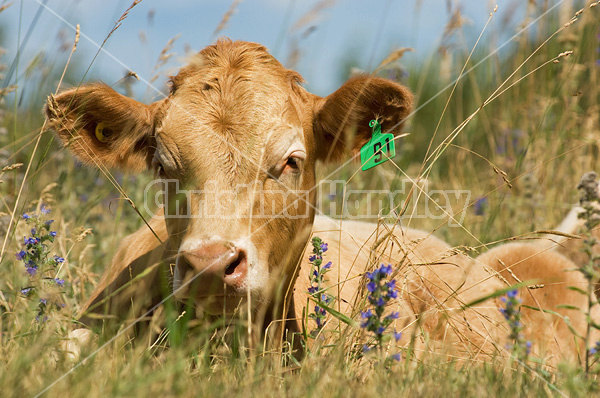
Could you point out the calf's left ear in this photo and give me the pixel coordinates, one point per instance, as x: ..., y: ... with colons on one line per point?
x: 102, y: 127
x: 341, y: 120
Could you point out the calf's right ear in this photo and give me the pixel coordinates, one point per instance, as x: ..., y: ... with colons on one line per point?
x: 351, y: 108
x: 103, y: 127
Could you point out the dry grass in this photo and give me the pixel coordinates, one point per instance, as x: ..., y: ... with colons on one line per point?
x: 519, y: 131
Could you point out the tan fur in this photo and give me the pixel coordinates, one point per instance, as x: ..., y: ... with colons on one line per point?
x: 572, y: 247
x: 234, y: 108
x: 552, y: 274
x: 74, y: 115
x: 434, y: 283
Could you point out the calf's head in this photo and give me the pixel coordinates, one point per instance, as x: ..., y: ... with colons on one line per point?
x: 235, y: 143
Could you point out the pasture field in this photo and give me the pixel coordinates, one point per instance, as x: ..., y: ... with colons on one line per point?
x: 517, y: 132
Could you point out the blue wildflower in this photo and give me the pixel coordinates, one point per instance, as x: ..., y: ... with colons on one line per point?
x: 480, y: 206
x: 371, y: 287
x: 385, y: 270
x: 393, y: 315
x: 397, y: 335
x: 595, y: 350
x: 397, y: 356
x: 35, y: 255
x: 30, y: 240
x: 381, y: 291
x: 512, y: 313
x: 317, y: 280
x: 20, y: 255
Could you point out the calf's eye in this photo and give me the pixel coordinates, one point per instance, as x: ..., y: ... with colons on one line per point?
x: 293, y: 163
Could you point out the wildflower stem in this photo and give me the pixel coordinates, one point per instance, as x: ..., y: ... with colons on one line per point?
x: 588, y: 328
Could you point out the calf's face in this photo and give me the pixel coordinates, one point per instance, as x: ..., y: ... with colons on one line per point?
x: 235, y: 146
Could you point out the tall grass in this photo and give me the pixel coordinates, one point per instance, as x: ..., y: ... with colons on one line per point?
x: 523, y: 153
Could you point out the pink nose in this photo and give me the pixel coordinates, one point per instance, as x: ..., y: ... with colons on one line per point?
x: 215, y: 264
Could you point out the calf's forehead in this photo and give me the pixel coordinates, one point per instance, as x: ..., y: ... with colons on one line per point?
x: 201, y: 143
x: 233, y: 102
x: 225, y: 58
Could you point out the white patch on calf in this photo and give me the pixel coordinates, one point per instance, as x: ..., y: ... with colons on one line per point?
x: 258, y: 272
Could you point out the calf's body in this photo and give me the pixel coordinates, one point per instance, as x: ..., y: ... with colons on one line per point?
x: 237, y: 121
x: 433, y: 281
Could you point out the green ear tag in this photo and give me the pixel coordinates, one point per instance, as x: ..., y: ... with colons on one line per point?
x: 379, y: 148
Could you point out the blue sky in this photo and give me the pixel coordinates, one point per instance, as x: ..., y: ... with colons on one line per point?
x: 370, y: 28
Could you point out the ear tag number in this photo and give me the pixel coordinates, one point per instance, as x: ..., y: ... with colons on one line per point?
x: 379, y: 148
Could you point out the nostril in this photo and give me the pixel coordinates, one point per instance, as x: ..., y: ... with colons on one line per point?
x: 237, y: 266
x: 182, y: 266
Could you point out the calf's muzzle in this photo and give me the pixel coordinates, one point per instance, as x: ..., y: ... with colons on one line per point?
x: 214, y: 266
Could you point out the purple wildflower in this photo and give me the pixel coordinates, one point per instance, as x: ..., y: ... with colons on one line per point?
x: 371, y: 287
x: 512, y: 313
x: 30, y: 240
x: 381, y: 292
x: 20, y: 255
x: 315, y: 289
x: 397, y: 335
x: 480, y: 206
